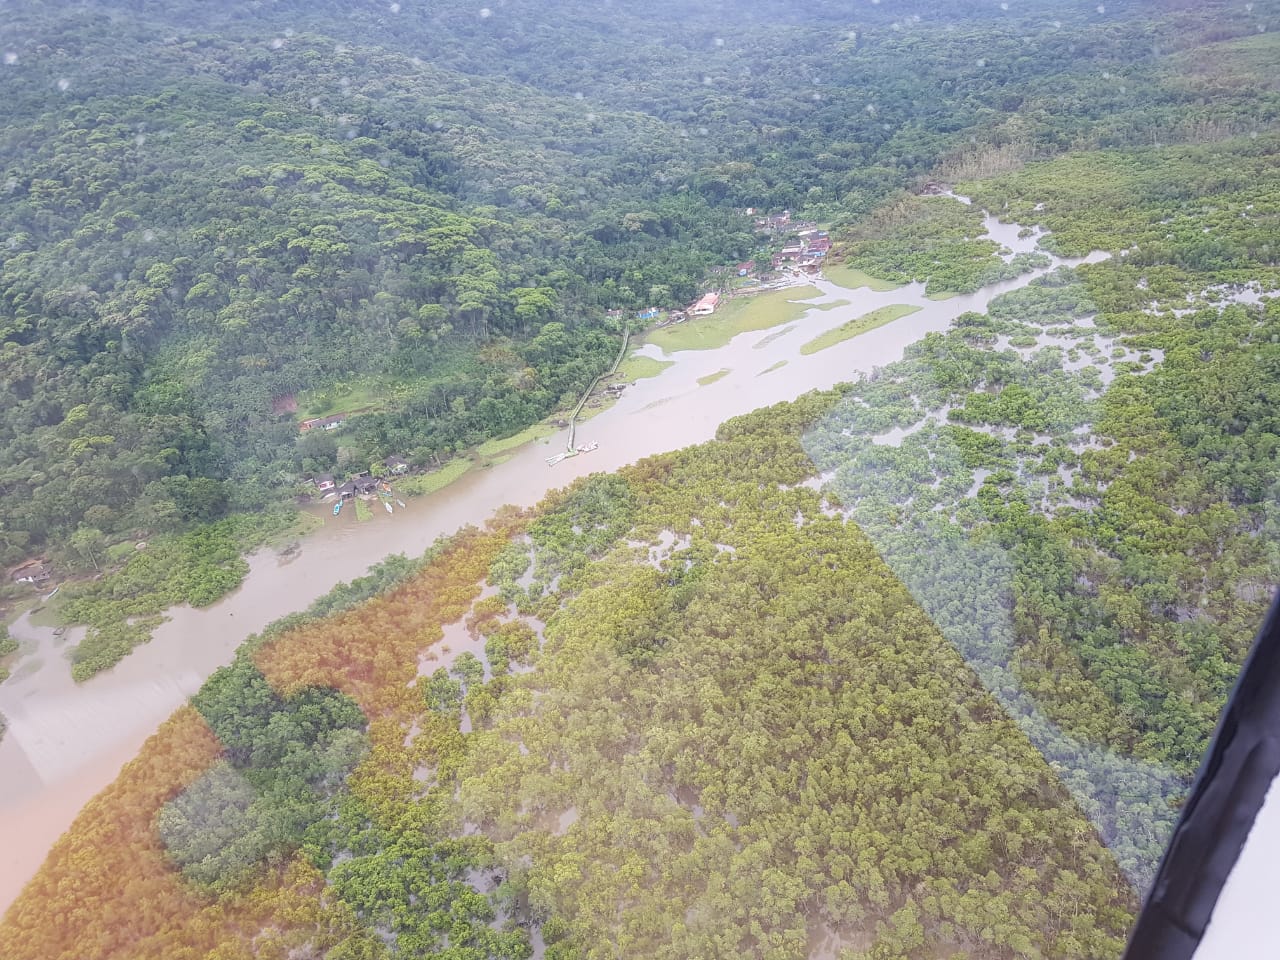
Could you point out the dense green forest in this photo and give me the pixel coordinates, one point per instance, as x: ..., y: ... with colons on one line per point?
x: 424, y: 213
x: 918, y: 666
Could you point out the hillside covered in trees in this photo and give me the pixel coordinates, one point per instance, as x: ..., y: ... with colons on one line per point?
x: 919, y: 666
x: 421, y: 213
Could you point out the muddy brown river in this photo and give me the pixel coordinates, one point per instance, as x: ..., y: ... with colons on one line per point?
x: 67, y: 741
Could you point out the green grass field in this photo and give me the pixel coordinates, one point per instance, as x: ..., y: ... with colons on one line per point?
x: 868, y: 321
x: 853, y: 278
x: 711, y: 378
x: 735, y: 317
x: 636, y: 367
x: 426, y: 483
x: 342, y: 398
x: 492, y: 448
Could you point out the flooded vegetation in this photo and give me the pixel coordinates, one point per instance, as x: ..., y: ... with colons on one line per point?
x: 851, y: 458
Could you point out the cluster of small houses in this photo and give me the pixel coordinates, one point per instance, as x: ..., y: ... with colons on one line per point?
x: 361, y: 485
x: 36, y: 572
x: 806, y: 246
x: 805, y: 249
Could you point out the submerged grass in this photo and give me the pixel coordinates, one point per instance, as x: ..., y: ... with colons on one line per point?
x: 492, y: 448
x: 860, y: 325
x: 637, y: 367
x: 853, y: 278
x: 737, y: 316
x: 426, y: 483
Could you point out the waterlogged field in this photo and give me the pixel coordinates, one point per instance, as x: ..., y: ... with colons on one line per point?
x: 739, y: 315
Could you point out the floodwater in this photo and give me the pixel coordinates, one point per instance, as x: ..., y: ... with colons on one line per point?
x: 66, y: 741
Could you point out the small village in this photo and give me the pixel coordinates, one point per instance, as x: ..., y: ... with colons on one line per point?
x: 802, y: 249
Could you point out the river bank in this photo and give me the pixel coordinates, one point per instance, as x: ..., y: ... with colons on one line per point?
x: 67, y: 741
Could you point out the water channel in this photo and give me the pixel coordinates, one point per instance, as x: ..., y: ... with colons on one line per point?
x: 67, y: 741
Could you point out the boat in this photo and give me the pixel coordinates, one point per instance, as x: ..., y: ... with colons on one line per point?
x: 400, y: 504
x: 337, y: 508
x: 388, y: 506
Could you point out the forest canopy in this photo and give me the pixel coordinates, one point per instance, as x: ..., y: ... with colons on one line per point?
x: 216, y: 215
